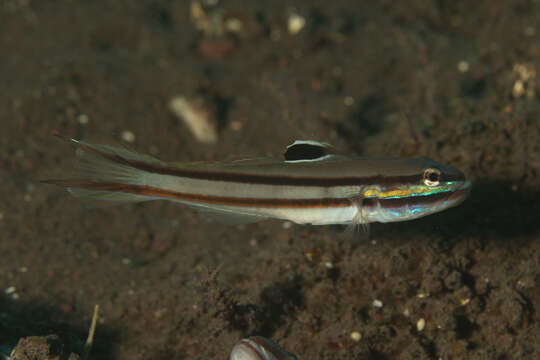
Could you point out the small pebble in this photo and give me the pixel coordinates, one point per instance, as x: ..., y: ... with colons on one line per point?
x: 464, y: 302
x: 234, y: 25
x: 356, y: 336
x: 420, y: 324
x: 377, y: 303
x: 236, y: 125
x: 10, y: 290
x: 159, y: 313
x: 82, y: 119
x: 126, y: 261
x: 295, y: 23
x: 348, y: 101
x: 529, y: 31
x: 518, y: 89
x: 463, y: 66
x: 128, y: 136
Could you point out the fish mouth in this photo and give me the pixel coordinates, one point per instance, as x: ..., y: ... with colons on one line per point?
x: 461, y: 193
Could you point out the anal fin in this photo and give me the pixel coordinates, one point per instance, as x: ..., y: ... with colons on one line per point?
x: 224, y: 214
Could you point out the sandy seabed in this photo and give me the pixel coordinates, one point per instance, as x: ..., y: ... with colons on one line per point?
x: 454, y: 81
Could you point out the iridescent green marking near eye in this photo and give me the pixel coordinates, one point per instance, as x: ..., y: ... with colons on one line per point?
x: 431, y: 190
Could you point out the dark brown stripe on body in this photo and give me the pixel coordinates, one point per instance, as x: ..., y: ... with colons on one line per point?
x: 205, y: 199
x: 255, y: 202
x: 266, y: 179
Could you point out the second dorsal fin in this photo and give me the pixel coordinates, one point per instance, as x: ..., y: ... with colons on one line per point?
x: 307, y: 150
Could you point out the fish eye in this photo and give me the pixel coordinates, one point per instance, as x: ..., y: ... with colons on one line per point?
x: 432, y: 177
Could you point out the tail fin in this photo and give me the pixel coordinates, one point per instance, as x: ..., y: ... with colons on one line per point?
x: 108, y: 173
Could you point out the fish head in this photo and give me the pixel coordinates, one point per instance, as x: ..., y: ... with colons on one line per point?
x: 427, y: 187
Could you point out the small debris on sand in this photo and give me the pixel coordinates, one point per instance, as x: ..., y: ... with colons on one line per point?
x: 128, y: 136
x: 196, y: 116
x: 420, y: 324
x: 295, y: 23
x: 41, y: 347
x: 356, y: 336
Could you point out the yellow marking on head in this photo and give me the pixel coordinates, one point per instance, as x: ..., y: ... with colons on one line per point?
x: 395, y: 193
x: 383, y: 194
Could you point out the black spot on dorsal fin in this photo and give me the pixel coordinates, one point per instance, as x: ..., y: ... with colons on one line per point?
x: 306, y: 150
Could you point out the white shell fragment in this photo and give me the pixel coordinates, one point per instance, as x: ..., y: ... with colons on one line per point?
x: 420, y: 324
x: 196, y: 117
x: 259, y: 348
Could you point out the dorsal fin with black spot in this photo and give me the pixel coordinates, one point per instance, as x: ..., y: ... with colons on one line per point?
x: 308, y: 150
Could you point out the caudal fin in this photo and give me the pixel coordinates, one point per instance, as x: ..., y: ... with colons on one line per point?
x: 108, y: 173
